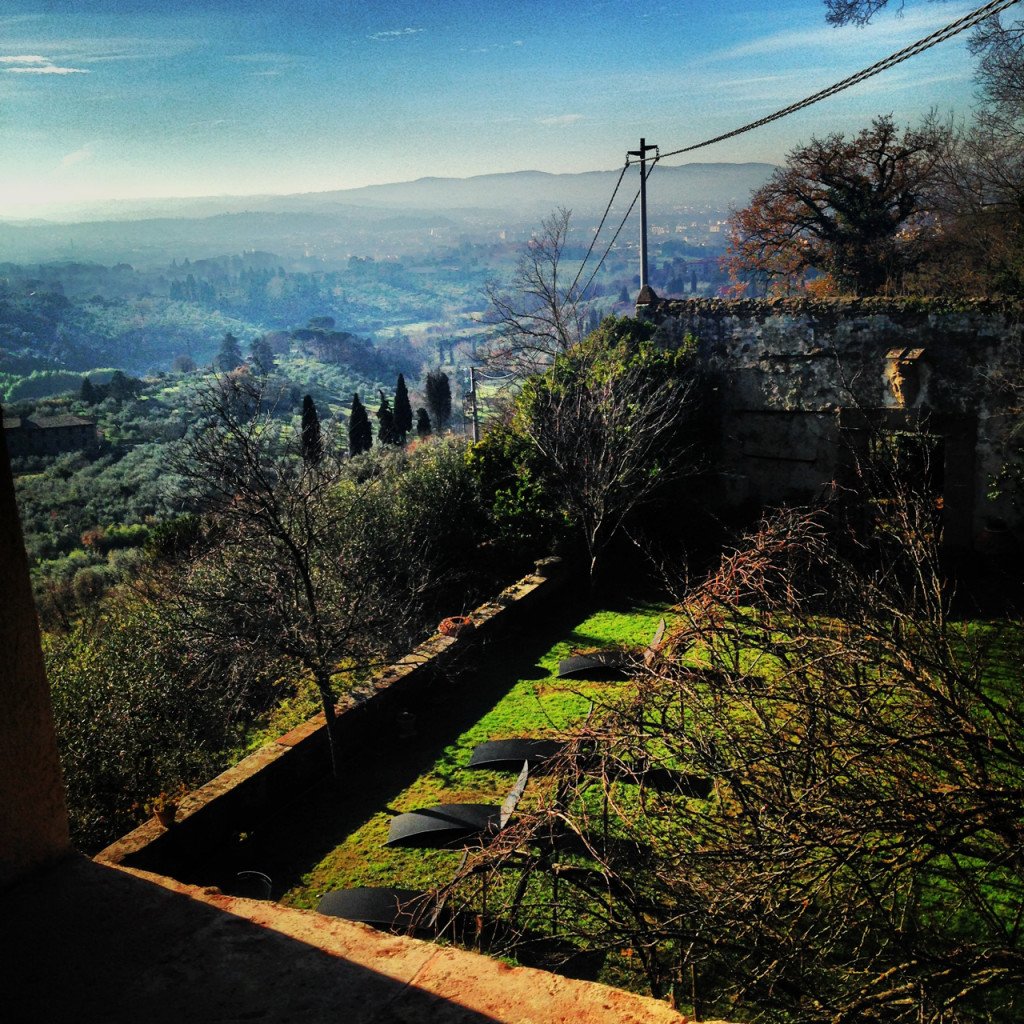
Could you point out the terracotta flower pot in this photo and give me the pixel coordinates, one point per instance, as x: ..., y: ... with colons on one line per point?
x: 456, y: 625
x: 165, y: 815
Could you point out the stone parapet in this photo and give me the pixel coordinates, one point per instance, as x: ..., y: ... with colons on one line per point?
x: 89, y: 942
x: 244, y: 795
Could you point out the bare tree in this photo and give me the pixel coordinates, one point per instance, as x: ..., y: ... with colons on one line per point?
x: 540, y: 314
x: 854, y: 12
x: 808, y: 806
x: 295, y: 562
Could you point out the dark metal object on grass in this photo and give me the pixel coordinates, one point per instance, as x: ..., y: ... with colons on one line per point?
x: 509, y: 755
x: 253, y: 885
x: 454, y: 824
x: 443, y: 825
x: 612, y: 663
x: 600, y: 664
x: 400, y: 910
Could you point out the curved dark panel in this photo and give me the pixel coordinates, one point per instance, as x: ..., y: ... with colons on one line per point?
x: 443, y: 825
x: 600, y: 664
x: 509, y: 755
x: 382, y: 907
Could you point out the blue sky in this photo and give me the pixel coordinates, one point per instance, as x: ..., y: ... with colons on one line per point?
x: 108, y: 99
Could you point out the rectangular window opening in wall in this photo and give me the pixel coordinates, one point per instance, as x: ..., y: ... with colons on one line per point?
x: 914, y: 458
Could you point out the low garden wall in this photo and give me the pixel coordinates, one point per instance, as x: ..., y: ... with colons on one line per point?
x: 245, y: 795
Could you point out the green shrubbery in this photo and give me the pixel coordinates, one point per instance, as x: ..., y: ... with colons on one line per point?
x: 132, y: 719
x: 285, y: 570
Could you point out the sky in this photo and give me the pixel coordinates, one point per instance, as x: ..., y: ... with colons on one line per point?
x: 107, y: 99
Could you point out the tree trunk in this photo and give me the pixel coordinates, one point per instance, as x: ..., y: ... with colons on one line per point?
x: 331, y: 717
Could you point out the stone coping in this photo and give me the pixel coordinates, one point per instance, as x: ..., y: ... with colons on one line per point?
x: 879, y: 305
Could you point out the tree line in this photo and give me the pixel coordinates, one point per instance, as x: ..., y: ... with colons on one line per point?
x: 395, y: 422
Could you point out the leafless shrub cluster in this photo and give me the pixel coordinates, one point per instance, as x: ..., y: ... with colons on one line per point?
x: 808, y: 805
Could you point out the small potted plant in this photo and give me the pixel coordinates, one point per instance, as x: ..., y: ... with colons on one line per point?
x: 164, y: 806
x: 455, y: 625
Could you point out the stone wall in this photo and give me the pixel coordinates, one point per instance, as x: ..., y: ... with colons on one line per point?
x: 800, y: 385
x: 246, y: 795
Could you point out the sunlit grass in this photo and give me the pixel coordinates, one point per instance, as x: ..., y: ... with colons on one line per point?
x: 538, y: 704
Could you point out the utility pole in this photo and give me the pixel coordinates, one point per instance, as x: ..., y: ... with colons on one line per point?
x: 641, y: 153
x: 476, y: 416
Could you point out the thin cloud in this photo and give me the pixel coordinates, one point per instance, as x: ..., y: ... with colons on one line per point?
x: 93, y: 50
x: 490, y: 47
x: 559, y: 120
x: 263, y: 58
x: 47, y: 69
x: 33, y: 64
x: 76, y: 157
x: 395, y: 33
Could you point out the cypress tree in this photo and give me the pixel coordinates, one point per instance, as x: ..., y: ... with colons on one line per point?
x: 386, y: 433
x: 423, y: 427
x: 312, y: 442
x: 439, y: 398
x: 88, y: 393
x: 230, y: 355
x: 360, y: 433
x: 403, y: 410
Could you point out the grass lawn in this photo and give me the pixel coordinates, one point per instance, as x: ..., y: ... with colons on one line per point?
x: 535, y: 703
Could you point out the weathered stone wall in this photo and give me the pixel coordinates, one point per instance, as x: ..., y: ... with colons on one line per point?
x: 246, y: 795
x: 798, y: 380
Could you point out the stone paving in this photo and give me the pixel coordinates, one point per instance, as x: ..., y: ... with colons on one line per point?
x: 86, y: 942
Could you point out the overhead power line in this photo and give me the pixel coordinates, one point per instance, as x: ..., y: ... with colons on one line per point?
x: 593, y: 241
x: 941, y: 35
x: 961, y: 24
x: 608, y: 249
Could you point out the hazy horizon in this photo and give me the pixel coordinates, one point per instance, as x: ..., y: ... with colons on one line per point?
x: 213, y: 98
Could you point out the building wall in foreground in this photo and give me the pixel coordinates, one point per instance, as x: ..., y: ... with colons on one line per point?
x: 802, y: 385
x: 33, y: 818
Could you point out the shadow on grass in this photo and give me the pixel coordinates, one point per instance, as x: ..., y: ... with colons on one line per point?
x: 295, y: 838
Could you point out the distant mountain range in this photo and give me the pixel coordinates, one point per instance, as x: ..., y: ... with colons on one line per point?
x: 717, y: 184
x: 351, y: 217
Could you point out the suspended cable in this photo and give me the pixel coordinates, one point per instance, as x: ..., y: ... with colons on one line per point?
x: 622, y: 224
x: 593, y: 241
x: 493, y: 376
x: 941, y: 35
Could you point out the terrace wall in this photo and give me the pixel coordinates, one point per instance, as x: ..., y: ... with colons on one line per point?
x: 802, y: 384
x: 245, y: 795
